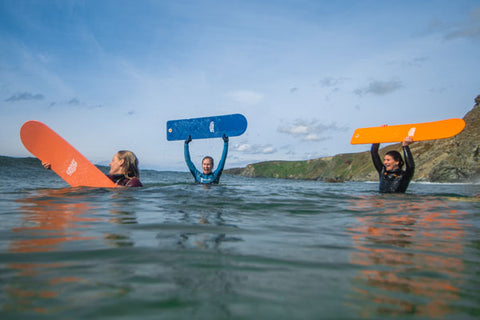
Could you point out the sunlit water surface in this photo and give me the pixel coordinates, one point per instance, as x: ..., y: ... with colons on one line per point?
x: 245, y: 249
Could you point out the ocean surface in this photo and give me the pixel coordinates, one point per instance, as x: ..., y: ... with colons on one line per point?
x: 244, y: 249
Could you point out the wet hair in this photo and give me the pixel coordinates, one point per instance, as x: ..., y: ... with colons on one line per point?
x: 396, y: 156
x: 130, y: 164
x: 207, y: 157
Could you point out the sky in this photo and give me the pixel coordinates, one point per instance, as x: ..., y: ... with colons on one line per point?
x: 108, y: 75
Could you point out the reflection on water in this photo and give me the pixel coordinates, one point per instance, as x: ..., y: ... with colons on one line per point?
x: 409, y: 255
x: 120, y: 211
x: 48, y: 223
x: 120, y: 214
x: 254, y: 249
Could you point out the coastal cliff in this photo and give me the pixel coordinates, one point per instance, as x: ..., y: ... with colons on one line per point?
x: 455, y: 159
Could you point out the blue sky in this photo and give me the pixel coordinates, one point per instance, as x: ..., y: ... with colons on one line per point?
x: 107, y: 75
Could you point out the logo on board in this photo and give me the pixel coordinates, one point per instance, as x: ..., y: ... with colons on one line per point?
x: 72, y: 167
x: 411, y: 132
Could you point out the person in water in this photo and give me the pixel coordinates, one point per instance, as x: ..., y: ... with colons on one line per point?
x: 123, y: 169
x: 207, y: 176
x: 392, y: 177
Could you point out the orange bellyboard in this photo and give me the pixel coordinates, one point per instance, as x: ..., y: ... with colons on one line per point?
x: 418, y: 131
x: 65, y: 160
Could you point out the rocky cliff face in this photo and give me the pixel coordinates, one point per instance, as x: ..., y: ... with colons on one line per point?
x: 455, y: 159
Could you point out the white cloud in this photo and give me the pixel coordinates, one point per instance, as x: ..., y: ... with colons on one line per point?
x: 246, y: 97
x: 309, y: 130
x: 268, y: 149
x: 314, y: 137
x: 242, y: 147
x: 296, y: 130
x: 254, y: 149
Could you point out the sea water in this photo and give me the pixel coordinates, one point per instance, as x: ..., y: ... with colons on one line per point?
x: 245, y: 249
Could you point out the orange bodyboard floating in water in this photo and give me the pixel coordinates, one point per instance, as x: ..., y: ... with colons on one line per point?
x: 65, y: 160
x: 418, y: 131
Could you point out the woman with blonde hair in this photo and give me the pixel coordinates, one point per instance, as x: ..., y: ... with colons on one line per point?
x: 123, y: 169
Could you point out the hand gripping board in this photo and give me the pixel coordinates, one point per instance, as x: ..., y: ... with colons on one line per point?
x: 208, y: 127
x: 65, y: 160
x: 418, y: 131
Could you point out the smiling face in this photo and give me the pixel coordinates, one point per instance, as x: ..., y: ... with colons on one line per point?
x: 207, y: 165
x: 390, y: 163
x: 116, y: 165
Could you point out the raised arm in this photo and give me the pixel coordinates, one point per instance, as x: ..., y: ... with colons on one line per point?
x: 407, y: 155
x: 186, y: 152
x: 221, y: 164
x: 377, y: 162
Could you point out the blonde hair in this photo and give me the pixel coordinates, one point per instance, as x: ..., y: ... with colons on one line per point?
x: 130, y: 164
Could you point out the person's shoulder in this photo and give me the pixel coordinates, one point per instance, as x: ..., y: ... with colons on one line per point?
x: 134, y: 182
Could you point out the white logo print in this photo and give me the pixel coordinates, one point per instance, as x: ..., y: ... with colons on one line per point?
x: 72, y: 167
x: 212, y: 126
x: 411, y: 132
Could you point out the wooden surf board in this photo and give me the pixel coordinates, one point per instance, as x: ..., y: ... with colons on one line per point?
x: 418, y: 131
x: 65, y: 160
x: 208, y: 127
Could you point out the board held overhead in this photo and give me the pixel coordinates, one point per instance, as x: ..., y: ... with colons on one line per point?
x: 207, y: 127
x: 418, y: 131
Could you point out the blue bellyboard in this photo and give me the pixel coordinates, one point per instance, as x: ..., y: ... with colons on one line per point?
x: 208, y: 127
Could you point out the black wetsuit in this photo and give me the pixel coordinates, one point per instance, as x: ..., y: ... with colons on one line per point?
x: 396, y: 180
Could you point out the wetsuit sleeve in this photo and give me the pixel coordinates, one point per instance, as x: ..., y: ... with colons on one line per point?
x: 410, y: 164
x: 377, y: 162
x: 221, y: 164
x: 190, y: 165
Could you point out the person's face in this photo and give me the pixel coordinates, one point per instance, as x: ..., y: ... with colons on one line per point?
x: 389, y: 163
x: 207, y: 166
x: 116, y: 165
